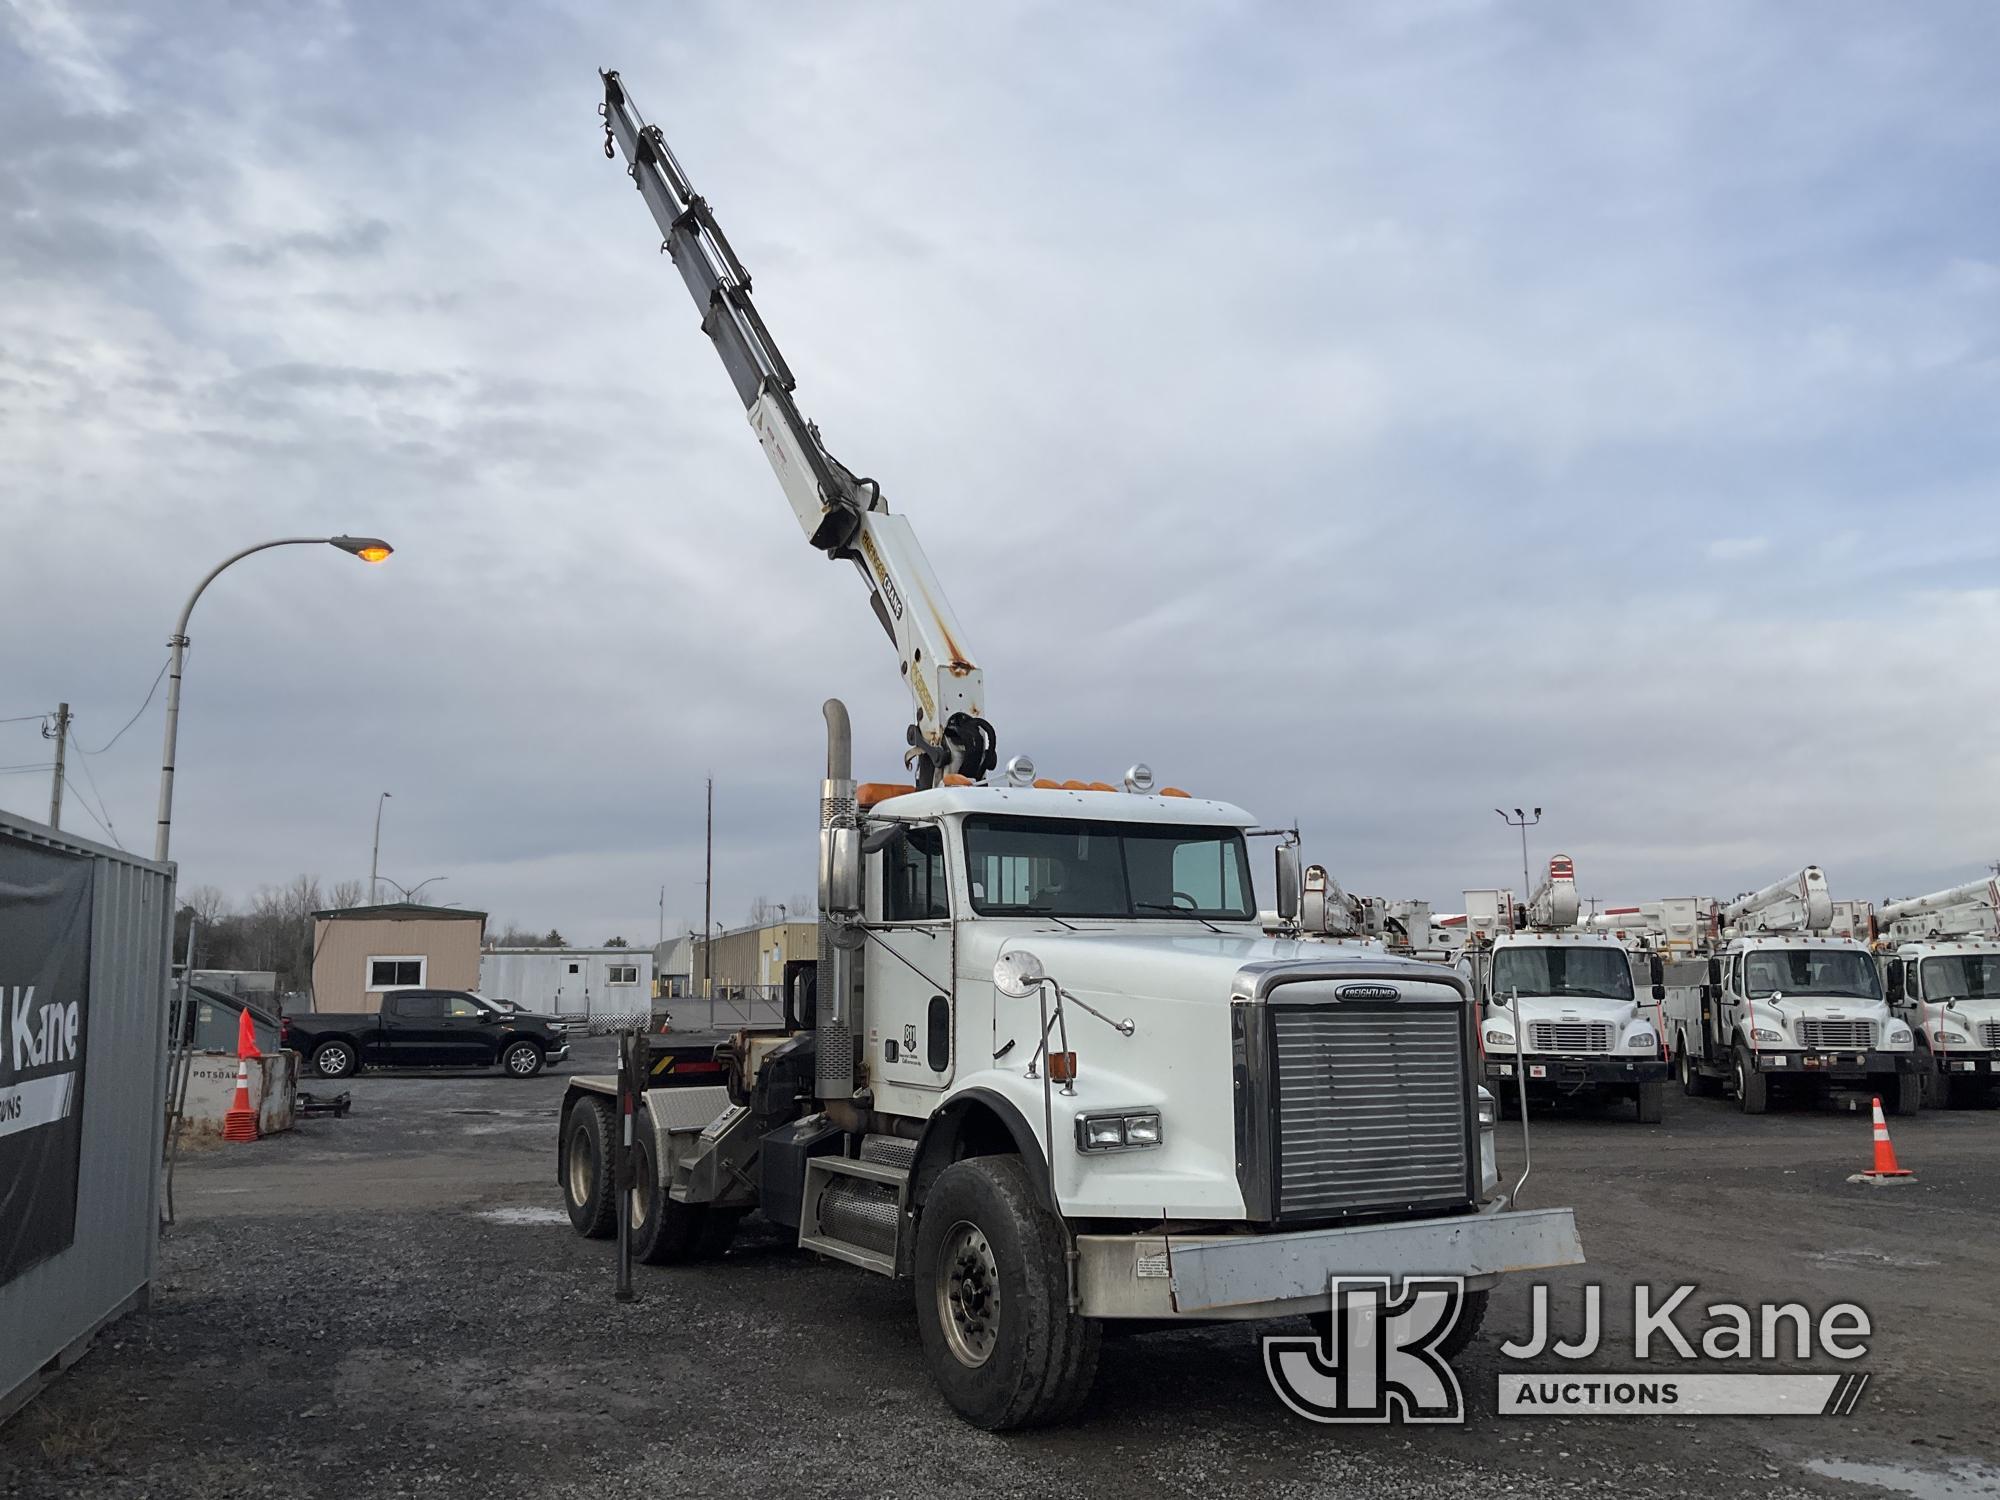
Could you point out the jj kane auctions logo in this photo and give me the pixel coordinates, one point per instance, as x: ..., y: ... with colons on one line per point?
x: 1387, y: 1346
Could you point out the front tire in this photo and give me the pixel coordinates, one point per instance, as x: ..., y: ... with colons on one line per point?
x: 521, y: 1060
x: 992, y: 1294
x: 1902, y: 1093
x: 1753, y: 1089
x: 586, y: 1168
x: 335, y: 1060
x: 1650, y: 1101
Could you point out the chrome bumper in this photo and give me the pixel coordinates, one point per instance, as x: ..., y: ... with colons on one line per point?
x: 1236, y: 1276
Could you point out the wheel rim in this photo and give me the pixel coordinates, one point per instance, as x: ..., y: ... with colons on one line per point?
x: 1742, y: 1085
x: 968, y: 1294
x: 334, y: 1063
x: 521, y: 1060
x: 582, y: 1170
x: 1687, y: 1073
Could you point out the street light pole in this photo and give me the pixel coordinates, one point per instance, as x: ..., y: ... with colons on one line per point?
x: 375, y: 855
x: 409, y: 892
x: 1524, y: 822
x: 369, y: 549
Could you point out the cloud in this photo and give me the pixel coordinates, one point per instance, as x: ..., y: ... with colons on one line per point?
x: 1738, y: 548
x: 1341, y: 411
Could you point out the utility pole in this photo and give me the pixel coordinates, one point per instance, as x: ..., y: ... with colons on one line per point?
x: 708, y: 900
x: 663, y: 914
x: 61, y: 738
x: 1524, y: 822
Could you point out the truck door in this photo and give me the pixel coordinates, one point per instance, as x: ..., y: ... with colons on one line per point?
x: 413, y: 1028
x: 466, y: 1038
x: 909, y: 962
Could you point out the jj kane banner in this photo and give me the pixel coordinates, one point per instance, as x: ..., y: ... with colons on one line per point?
x: 44, y: 984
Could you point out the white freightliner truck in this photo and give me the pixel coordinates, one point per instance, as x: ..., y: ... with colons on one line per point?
x: 1560, y: 1016
x: 1046, y: 1067
x: 1779, y: 1002
x: 1940, y: 960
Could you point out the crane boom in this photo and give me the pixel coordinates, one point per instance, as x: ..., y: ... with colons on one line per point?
x: 841, y: 513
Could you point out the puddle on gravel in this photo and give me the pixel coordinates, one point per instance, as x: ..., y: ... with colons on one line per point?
x: 1965, y: 1481
x: 524, y: 1215
x: 1859, y: 1257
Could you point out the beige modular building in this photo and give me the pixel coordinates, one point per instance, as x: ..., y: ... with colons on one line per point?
x: 362, y: 953
x: 750, y: 958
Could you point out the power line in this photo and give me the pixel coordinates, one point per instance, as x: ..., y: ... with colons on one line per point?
x: 37, y: 765
x: 24, y: 718
x: 84, y: 803
x: 135, y: 717
x: 100, y: 798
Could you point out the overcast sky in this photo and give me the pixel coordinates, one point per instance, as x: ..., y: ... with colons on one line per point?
x: 1369, y: 414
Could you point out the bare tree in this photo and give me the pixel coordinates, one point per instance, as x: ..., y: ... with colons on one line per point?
x: 347, y: 894
x: 208, y: 904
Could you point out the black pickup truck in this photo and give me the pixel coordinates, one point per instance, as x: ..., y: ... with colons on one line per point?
x: 428, y: 1029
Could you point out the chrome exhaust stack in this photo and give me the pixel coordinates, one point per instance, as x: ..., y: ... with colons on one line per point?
x: 838, y: 1001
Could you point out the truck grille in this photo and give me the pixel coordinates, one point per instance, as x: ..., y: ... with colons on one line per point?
x: 1371, y: 1109
x: 1846, y: 1036
x: 1569, y: 1036
x: 1989, y: 1034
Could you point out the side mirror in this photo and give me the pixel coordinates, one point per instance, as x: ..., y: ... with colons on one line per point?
x: 1659, y: 993
x: 1288, y: 882
x: 1656, y: 972
x: 1715, y: 972
x: 840, y: 871
x: 1017, y: 973
x: 1895, y: 983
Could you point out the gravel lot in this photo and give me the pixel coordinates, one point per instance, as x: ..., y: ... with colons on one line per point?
x: 393, y: 1304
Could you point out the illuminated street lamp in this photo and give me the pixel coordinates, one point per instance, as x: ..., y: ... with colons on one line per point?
x: 368, y: 548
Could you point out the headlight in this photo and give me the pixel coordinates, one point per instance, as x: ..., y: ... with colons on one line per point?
x: 1489, y: 1109
x: 1643, y: 1037
x: 1899, y: 1035
x: 1128, y: 1130
x: 1949, y: 1038
x: 1765, y: 1034
x: 1499, y: 1038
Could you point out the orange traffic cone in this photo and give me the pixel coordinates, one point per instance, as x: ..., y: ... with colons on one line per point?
x: 240, y: 1124
x: 1885, y: 1154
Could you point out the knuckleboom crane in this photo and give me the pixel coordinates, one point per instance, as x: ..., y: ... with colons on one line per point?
x: 842, y: 513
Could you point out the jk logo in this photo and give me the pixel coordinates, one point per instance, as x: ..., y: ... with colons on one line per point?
x: 1379, y: 1362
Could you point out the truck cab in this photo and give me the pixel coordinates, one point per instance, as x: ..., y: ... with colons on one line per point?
x: 1947, y: 991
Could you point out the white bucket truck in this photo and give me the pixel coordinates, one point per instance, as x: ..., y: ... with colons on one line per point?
x: 1560, y: 1015
x: 1940, y: 959
x: 1785, y: 1006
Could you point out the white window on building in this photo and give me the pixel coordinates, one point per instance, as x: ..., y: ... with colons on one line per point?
x: 395, y: 971
x: 621, y: 973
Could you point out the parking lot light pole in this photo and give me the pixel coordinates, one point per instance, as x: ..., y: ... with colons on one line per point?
x: 375, y: 858
x: 1524, y: 822
x: 368, y: 548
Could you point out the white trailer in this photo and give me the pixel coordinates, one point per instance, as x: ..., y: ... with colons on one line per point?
x: 1561, y: 1016
x: 607, y: 989
x: 1940, y: 959
x: 1780, y: 1005
x: 1048, y: 1068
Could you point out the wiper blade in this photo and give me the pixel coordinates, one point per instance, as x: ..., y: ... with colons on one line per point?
x: 1179, y: 911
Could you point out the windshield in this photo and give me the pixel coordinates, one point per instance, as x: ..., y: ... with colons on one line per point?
x: 1602, y: 973
x: 1811, y: 971
x: 1971, y: 976
x: 1068, y: 867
